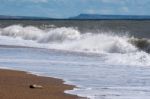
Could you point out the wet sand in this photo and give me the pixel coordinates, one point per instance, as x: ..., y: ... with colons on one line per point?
x: 15, y: 85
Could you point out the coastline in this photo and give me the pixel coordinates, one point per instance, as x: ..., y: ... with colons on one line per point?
x: 15, y: 85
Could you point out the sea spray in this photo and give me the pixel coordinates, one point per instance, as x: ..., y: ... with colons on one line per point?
x: 70, y: 39
x: 117, y: 49
x: 102, y: 65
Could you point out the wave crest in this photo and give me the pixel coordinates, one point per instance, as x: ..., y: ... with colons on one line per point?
x: 39, y: 35
x: 142, y: 44
x: 116, y: 49
x: 71, y: 39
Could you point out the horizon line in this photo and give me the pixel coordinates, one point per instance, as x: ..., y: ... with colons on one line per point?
x: 72, y: 16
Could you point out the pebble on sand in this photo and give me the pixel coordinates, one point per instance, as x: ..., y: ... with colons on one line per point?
x: 34, y: 86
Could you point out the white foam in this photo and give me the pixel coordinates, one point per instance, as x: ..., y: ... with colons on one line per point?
x: 70, y: 39
x: 114, y: 93
x: 104, y: 75
x: 117, y: 49
x: 39, y: 35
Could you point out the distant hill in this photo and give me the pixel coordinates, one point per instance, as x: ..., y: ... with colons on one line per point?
x: 80, y: 17
x: 113, y: 17
x: 5, y: 17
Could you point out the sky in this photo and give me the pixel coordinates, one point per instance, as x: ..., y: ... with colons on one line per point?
x: 68, y: 8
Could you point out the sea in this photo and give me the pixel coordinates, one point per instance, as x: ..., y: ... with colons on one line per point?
x: 104, y: 59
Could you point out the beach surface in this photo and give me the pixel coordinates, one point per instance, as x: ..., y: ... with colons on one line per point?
x: 15, y: 85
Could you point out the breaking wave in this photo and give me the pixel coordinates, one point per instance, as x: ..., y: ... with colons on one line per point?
x: 71, y: 39
x: 41, y: 36
x: 142, y: 44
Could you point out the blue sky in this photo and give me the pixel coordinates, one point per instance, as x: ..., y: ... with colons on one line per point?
x: 67, y: 8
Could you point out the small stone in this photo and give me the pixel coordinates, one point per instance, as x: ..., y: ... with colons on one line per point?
x: 34, y: 86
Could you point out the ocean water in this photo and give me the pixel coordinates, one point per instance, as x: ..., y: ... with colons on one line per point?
x: 104, y: 59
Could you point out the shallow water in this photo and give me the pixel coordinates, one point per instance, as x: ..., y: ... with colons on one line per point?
x: 91, y: 73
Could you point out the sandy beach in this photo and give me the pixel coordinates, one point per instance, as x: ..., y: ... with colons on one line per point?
x: 15, y: 85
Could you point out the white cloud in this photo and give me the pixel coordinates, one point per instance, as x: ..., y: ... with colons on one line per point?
x: 110, y: 1
x: 106, y: 11
x: 100, y: 11
x: 34, y: 1
x: 125, y: 9
x: 91, y: 11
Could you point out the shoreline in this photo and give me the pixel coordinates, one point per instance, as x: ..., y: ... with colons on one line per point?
x: 15, y: 84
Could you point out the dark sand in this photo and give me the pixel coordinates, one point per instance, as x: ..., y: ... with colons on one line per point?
x: 15, y: 85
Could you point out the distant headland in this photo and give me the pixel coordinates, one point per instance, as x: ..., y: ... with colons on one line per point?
x: 80, y: 17
x: 111, y: 17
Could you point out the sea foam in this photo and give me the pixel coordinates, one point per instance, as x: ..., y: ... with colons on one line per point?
x: 70, y: 39
x: 117, y: 49
x: 102, y: 65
